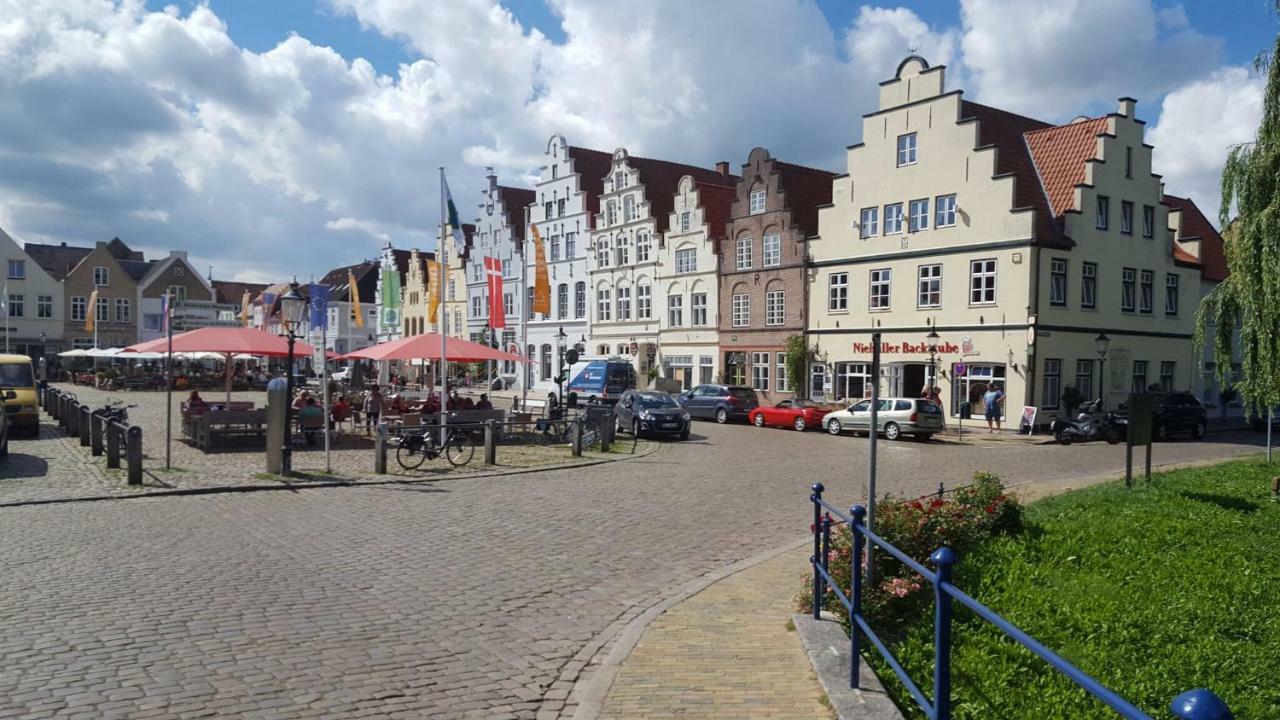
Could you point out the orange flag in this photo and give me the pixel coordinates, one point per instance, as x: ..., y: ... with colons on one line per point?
x: 356, y: 311
x: 434, y: 275
x: 541, y: 278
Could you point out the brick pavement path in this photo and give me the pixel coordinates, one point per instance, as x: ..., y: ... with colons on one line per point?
x: 481, y: 597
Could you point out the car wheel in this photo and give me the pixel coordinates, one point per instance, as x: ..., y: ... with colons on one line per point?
x: 685, y: 435
x: 833, y: 426
x: 799, y: 424
x: 1199, y: 430
x: 892, y: 432
x: 1161, y: 432
x: 722, y: 416
x: 758, y: 420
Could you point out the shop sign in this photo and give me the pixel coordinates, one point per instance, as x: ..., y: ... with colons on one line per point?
x: 966, y: 346
x: 888, y: 348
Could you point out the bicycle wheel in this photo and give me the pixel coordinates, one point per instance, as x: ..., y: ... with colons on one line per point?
x: 410, y: 453
x: 460, y: 450
x: 591, y: 434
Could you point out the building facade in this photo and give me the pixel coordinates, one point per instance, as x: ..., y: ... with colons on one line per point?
x: 114, y: 271
x: 635, y: 209
x: 686, y: 277
x: 344, y: 333
x: 455, y: 307
x: 194, y: 300
x: 1016, y: 241
x: 499, y: 233
x: 33, y: 303
x: 763, y: 276
x: 567, y: 199
x: 415, y: 306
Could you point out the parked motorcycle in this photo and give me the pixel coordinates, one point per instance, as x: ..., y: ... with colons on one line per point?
x: 1092, y: 423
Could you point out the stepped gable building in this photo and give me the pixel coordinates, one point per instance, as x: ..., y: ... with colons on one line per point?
x: 499, y: 233
x: 1016, y: 241
x: 415, y: 318
x: 763, y: 278
x: 635, y: 209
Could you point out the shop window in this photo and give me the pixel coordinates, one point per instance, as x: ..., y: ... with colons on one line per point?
x: 973, y: 383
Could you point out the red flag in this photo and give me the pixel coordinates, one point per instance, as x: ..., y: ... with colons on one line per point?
x: 497, y: 308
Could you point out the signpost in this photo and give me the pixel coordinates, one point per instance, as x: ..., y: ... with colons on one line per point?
x: 1141, y: 409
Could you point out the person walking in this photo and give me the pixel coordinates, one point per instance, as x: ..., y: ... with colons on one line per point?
x: 372, y: 409
x: 992, y: 402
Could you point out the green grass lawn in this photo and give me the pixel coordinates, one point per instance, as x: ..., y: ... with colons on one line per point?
x: 1153, y: 590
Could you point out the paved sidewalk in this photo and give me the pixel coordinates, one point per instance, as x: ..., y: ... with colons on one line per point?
x: 726, y: 652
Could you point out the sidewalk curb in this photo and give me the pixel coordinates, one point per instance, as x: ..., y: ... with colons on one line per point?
x: 229, y: 489
x: 591, y: 694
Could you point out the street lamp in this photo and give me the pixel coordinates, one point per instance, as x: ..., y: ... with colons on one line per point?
x: 561, y: 340
x: 932, y: 340
x: 1102, y: 343
x: 292, y: 308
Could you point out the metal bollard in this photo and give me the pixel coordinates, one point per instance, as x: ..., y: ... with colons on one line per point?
x: 944, y: 560
x: 113, y: 444
x: 575, y: 436
x: 380, y: 450
x: 83, y: 425
x: 1200, y: 704
x: 133, y: 455
x: 73, y: 420
x: 97, y: 424
x: 490, y: 442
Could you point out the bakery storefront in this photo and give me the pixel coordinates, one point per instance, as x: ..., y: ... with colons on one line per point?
x: 966, y: 365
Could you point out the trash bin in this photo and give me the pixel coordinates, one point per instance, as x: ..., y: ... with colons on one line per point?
x: 966, y: 410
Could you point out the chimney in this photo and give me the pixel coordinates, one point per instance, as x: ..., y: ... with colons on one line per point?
x: 1128, y: 107
x: 493, y: 179
x: 722, y: 167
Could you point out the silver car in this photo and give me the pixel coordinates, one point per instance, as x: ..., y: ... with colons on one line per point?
x: 896, y: 417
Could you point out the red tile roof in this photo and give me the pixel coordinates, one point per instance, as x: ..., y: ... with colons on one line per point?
x: 716, y: 201
x: 661, y: 180
x: 806, y: 189
x: 1008, y: 132
x: 1195, y: 226
x: 1060, y: 154
x: 592, y: 167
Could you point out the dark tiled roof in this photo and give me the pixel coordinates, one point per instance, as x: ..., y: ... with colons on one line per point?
x: 1213, y: 256
x: 120, y: 251
x: 136, y: 269
x: 592, y: 167
x: 401, y: 259
x: 57, y: 260
x: 366, y: 276
x: 807, y: 189
x: 514, y: 201
x: 716, y: 201
x: 228, y: 292
x: 1060, y: 154
x: 661, y: 180
x: 1006, y: 132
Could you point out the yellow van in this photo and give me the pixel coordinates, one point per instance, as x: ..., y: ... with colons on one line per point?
x: 16, y: 374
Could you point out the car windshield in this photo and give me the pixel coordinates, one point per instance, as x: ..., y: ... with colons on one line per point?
x: 16, y: 375
x: 656, y: 401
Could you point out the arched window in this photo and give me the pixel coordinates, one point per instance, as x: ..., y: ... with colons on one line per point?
x: 580, y: 300
x: 528, y: 367
x: 546, y: 362
x: 629, y: 208
x: 562, y: 301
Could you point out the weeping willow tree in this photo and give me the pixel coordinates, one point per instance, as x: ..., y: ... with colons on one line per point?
x: 1249, y: 299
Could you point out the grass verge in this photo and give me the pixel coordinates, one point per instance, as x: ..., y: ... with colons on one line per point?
x: 1153, y: 590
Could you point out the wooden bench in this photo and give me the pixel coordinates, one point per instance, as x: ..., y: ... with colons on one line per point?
x: 210, y: 429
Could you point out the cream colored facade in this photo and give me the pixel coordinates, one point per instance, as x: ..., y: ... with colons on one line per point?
x: 990, y: 261
x: 455, y: 305
x: 688, y: 342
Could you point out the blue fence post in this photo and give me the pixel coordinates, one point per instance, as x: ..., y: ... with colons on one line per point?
x: 944, y: 559
x: 1200, y: 704
x: 826, y: 547
x: 816, y: 498
x: 859, y: 514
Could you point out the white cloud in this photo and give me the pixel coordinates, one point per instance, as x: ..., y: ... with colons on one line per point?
x: 1199, y: 123
x: 347, y: 224
x: 881, y: 37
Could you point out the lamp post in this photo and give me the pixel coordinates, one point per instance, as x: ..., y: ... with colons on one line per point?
x: 1102, y: 343
x: 292, y: 307
x: 561, y: 339
x: 932, y: 340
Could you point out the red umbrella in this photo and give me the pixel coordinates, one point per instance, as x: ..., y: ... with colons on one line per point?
x: 427, y: 347
x: 228, y: 341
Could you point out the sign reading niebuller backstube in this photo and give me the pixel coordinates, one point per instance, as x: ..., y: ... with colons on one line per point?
x: 921, y: 348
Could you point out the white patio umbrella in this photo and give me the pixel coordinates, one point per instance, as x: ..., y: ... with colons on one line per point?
x: 74, y: 353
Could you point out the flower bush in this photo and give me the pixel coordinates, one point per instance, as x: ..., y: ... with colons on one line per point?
x: 976, y: 513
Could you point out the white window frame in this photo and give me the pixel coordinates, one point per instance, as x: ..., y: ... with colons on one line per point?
x: 918, y: 215
x: 684, y: 221
x: 893, y: 219
x: 906, y: 149
x: 775, y: 307
x: 44, y: 307
x: 944, y: 209
x: 644, y: 302
x: 741, y: 310
x: 1147, y: 292
x: 16, y: 305
x: 642, y: 247
x: 756, y: 202
x: 1088, y: 285
x: 771, y: 246
x: 686, y: 260
x: 604, y: 305
x: 1052, y: 384
x: 17, y: 269
x: 879, y: 289
x: 126, y: 306
x: 1148, y: 221
x: 1126, y: 217
x: 838, y: 292
x: 624, y: 304
x: 983, y: 277
x: 869, y: 224
x: 1134, y: 384
x: 1058, y: 282
x: 675, y: 311
x: 101, y: 276
x: 1171, y: 294
x: 1128, y: 290
x: 698, y: 309
x: 743, y: 253
x: 1084, y: 380
x: 760, y: 364
x: 929, y: 286
x: 580, y: 300
x: 781, y: 384
x: 1102, y: 219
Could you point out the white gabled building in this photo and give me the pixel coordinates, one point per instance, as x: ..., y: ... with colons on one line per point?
x: 499, y: 234
x: 635, y: 208
x: 688, y: 255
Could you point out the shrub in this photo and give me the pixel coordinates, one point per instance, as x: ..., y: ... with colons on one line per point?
x: 977, y: 513
x: 1071, y: 399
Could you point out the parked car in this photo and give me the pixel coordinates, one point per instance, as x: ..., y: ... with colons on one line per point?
x: 651, y: 412
x: 798, y: 414
x: 1173, y: 413
x: 17, y: 375
x: 8, y: 397
x: 721, y: 403
x: 896, y: 417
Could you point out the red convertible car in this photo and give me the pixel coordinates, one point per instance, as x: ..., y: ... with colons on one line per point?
x: 798, y: 414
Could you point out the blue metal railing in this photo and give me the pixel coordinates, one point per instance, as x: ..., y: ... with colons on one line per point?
x: 1197, y: 704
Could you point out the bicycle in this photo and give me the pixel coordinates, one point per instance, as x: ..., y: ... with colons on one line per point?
x: 416, y: 447
x: 113, y: 410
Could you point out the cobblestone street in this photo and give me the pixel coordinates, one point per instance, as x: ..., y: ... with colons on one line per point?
x: 484, y: 596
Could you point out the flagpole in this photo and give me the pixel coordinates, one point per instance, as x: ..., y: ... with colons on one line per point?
x: 524, y: 325
x: 168, y: 377
x: 324, y: 378
x: 6, y: 318
x: 444, y: 359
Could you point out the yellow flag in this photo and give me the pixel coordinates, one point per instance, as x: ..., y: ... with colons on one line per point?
x: 245, y: 302
x: 541, y: 279
x: 355, y: 299
x: 434, y: 274
x: 91, y: 312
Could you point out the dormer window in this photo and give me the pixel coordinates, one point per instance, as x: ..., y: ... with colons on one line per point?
x: 907, y: 149
x: 757, y: 202
x: 619, y: 180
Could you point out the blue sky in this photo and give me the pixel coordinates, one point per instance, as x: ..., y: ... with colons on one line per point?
x: 1247, y: 25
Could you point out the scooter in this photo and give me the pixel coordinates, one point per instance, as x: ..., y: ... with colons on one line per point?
x: 1091, y: 424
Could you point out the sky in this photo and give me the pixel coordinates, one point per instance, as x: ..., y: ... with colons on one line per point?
x: 281, y: 138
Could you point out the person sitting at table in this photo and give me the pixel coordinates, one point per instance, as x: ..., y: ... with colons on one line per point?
x: 468, y: 403
x: 311, y: 418
x: 340, y: 411
x: 196, y: 404
x: 484, y: 403
x: 301, y: 401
